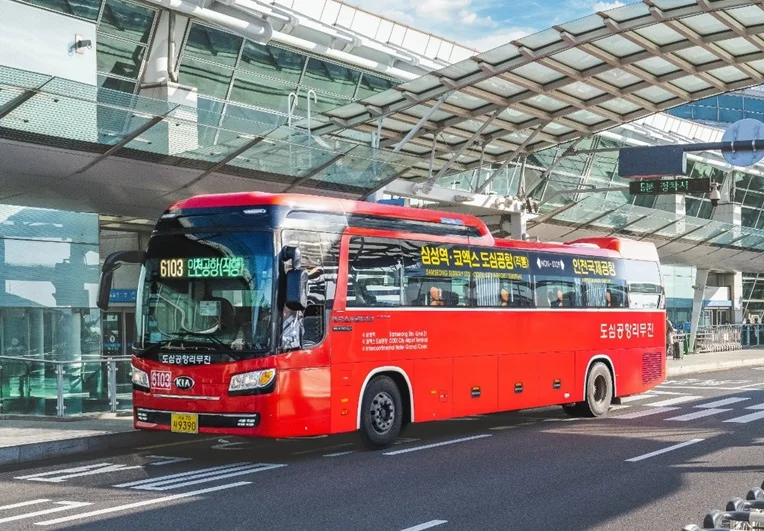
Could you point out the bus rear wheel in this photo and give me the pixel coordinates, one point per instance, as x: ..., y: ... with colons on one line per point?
x: 381, y: 413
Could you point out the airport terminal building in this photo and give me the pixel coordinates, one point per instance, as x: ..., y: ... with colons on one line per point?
x: 111, y: 110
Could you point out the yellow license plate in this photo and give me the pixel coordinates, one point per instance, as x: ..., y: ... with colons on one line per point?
x: 184, y: 423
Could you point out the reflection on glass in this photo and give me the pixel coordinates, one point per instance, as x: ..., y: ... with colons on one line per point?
x: 213, y: 45
x: 129, y: 21
x: 209, y: 80
x: 79, y: 8
x: 258, y: 91
x: 330, y: 77
x: 119, y: 57
x: 272, y: 61
x: 113, y: 83
x: 372, y: 85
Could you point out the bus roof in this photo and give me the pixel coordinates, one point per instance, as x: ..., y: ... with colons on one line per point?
x: 596, y: 246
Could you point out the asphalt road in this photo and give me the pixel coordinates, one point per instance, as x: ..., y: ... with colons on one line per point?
x: 657, y: 462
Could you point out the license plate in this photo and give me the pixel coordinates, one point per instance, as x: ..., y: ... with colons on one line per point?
x: 184, y: 423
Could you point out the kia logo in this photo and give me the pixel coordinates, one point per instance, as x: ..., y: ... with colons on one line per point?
x: 184, y: 382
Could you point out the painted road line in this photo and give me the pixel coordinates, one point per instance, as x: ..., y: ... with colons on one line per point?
x: 659, y: 452
x: 143, y: 503
x: 658, y: 392
x: 165, y: 460
x: 674, y: 401
x: 167, y: 481
x: 724, y: 402
x: 86, y: 468
x: 324, y: 449
x: 338, y: 454
x: 435, y: 445
x: 500, y: 428
x: 426, y: 525
x: 617, y: 407
x: 636, y: 397
x: 174, y: 484
x: 181, y: 475
x: 645, y: 413
x: 181, y: 443
x: 23, y: 504
x: 745, y: 419
x: 65, y: 506
x: 757, y: 406
x: 698, y: 414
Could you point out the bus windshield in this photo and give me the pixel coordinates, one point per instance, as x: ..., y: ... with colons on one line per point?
x: 212, y: 290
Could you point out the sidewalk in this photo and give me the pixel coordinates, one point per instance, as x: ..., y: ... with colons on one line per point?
x: 32, y: 439
x: 714, y: 361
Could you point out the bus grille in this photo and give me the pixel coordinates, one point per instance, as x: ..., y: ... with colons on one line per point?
x: 651, y: 366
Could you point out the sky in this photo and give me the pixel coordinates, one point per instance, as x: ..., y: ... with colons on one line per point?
x: 485, y: 24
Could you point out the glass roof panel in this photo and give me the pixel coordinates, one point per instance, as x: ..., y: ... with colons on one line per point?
x: 396, y: 125
x: 465, y: 101
x: 587, y: 117
x: 691, y: 83
x: 540, y: 39
x: 660, y: 34
x: 546, y: 103
x: 748, y: 15
x: 654, y: 94
x: 421, y: 84
x: 758, y: 65
x: 704, y: 24
x: 575, y: 58
x: 583, y: 25
x: 500, y: 87
x: 537, y: 73
x: 499, y: 55
x: 673, y: 4
x: 656, y: 66
x: 620, y: 106
x: 628, y: 12
x: 582, y: 91
x: 473, y: 125
x: 514, y: 116
x: 617, y: 46
x: 556, y: 129
x: 696, y: 55
x: 384, y: 98
x: 421, y: 110
x: 618, y: 78
x: 347, y: 111
x: 738, y: 46
x: 460, y: 70
x: 728, y: 74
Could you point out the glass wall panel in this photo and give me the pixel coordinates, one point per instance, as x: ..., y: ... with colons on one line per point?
x: 272, y: 61
x: 371, y: 85
x: 119, y: 57
x: 330, y: 77
x: 210, y: 80
x: 261, y: 92
x: 79, y: 8
x: 129, y: 21
x: 213, y: 45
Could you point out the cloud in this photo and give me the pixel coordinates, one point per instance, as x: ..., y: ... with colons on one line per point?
x: 494, y: 40
x: 604, y: 6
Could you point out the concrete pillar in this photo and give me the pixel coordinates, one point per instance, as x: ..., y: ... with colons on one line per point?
x: 676, y: 205
x: 699, y: 287
x: 516, y: 224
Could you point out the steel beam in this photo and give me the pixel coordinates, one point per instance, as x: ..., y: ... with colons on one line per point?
x: 16, y: 102
x: 421, y: 121
x: 509, y: 159
x: 315, y: 171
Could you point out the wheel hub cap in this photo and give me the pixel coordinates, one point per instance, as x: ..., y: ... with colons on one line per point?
x: 382, y: 412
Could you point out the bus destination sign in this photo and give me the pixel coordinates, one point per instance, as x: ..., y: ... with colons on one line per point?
x: 226, y: 267
x: 675, y: 186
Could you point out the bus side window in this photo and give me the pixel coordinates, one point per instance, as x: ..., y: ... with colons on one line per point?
x: 374, y: 273
x: 312, y: 260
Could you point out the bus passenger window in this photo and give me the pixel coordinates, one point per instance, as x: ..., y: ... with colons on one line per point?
x: 374, y: 273
x: 558, y: 292
x: 504, y: 293
x: 601, y: 293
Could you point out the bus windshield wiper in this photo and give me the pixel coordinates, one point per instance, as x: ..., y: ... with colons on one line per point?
x: 215, y: 340
x: 155, y: 346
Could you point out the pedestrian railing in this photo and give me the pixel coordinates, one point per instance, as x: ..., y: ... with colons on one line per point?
x: 719, y: 338
x: 32, y: 385
x: 739, y: 514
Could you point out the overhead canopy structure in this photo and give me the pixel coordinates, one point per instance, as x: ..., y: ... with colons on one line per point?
x: 566, y: 82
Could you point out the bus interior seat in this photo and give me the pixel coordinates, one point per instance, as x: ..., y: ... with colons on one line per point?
x: 313, y: 329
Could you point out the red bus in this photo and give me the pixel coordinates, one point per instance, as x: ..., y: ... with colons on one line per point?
x: 283, y: 315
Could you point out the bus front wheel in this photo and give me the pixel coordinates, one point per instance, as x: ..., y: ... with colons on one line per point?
x: 381, y: 413
x: 599, y: 391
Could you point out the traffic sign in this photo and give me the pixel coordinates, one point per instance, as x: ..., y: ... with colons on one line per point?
x: 742, y: 132
x: 673, y: 186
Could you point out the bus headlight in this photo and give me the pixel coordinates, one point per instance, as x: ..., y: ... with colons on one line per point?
x: 251, y: 381
x: 140, y: 379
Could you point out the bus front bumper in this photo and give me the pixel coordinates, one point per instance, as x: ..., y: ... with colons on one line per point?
x: 224, y: 423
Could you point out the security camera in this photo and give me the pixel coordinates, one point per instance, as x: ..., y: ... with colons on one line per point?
x: 714, y: 195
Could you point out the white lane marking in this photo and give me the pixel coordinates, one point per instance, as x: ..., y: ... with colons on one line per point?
x: 181, y: 480
x: 658, y: 452
x: 143, y: 503
x: 645, y: 413
x: 174, y: 484
x: 180, y: 475
x: 745, y: 419
x: 750, y: 385
x: 66, y: 506
x: 742, y: 388
x: 68, y: 473
x: 324, y: 449
x: 165, y: 460
x: 435, y: 445
x: 636, y: 397
x: 674, y: 401
x: 426, y: 525
x: 757, y: 406
x: 612, y: 408
x: 657, y: 392
x: 181, y: 443
x: 23, y: 504
x: 698, y: 414
x: 337, y: 454
x: 499, y: 428
x: 724, y: 402
x: 225, y: 445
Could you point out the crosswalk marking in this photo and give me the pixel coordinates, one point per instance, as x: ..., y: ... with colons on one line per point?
x: 645, y: 413
x: 724, y: 402
x: 205, y: 475
x: 747, y: 418
x: 180, y: 475
x: 64, y: 506
x: 699, y: 414
x: 637, y: 397
x: 757, y: 406
x: 23, y: 504
x: 674, y: 401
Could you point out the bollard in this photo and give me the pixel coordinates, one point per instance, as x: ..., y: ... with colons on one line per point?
x: 60, y: 407
x: 112, y: 385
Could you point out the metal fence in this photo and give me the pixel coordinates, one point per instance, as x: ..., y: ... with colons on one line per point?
x: 32, y: 385
x: 729, y: 337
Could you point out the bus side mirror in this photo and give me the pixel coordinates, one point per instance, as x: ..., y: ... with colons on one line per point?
x: 112, y: 263
x: 296, y: 290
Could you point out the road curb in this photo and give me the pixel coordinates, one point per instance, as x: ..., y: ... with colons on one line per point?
x: 25, y: 453
x: 713, y: 366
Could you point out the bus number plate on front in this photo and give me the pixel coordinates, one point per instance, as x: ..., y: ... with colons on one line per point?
x: 184, y: 423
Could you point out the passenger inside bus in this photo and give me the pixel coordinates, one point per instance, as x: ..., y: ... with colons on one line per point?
x: 556, y: 302
x: 436, y: 297
x: 504, y: 297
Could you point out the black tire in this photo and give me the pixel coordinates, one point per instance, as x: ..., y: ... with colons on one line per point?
x: 599, y: 391
x: 381, y: 413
